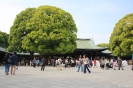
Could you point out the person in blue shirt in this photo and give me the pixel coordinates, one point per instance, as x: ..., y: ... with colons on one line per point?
x: 38, y: 62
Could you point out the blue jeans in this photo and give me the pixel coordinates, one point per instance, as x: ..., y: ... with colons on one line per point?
x: 86, y: 67
x: 80, y: 65
x: 7, y: 68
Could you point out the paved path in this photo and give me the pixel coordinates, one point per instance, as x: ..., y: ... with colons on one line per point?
x: 29, y: 77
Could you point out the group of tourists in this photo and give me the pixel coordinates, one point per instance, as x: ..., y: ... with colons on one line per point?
x: 37, y: 62
x: 11, y: 63
x: 112, y: 63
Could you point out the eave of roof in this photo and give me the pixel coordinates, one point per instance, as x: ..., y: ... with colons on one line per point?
x: 3, y: 50
x: 87, y: 44
x: 106, y: 52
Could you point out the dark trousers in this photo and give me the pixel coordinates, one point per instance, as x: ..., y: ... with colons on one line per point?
x: 34, y: 65
x: 43, y: 67
x: 120, y: 66
x: 86, y: 67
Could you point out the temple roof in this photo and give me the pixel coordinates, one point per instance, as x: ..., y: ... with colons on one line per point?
x: 88, y: 44
x: 3, y: 49
x: 82, y: 44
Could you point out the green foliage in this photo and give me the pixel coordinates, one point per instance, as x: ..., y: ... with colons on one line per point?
x: 18, y: 30
x: 47, y: 30
x: 121, y: 40
x: 103, y: 45
x: 3, y: 39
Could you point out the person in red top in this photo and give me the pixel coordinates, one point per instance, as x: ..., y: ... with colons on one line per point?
x: 95, y: 63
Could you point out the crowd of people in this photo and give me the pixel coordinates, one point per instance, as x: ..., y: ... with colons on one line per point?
x: 82, y: 63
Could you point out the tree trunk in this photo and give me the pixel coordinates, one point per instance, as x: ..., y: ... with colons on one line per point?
x: 31, y: 55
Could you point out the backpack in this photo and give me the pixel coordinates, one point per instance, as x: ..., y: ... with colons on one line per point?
x: 9, y: 60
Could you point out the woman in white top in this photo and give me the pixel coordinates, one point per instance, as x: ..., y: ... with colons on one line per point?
x: 85, y: 61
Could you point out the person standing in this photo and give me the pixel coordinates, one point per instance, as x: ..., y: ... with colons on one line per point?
x: 14, y: 59
x: 120, y: 63
x: 132, y: 66
x: 59, y: 63
x: 38, y: 62
x: 34, y: 62
x: 43, y: 64
x: 90, y: 62
x: 107, y: 63
x: 102, y: 63
x: 95, y: 63
x: 6, y: 63
x: 114, y: 63
x: 72, y: 63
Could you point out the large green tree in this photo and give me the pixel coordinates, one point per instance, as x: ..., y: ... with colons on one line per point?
x: 18, y: 30
x: 3, y: 39
x: 121, y: 40
x: 46, y: 30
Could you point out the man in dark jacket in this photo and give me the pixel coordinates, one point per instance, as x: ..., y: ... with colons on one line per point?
x: 14, y: 59
x: 6, y: 63
x: 43, y: 64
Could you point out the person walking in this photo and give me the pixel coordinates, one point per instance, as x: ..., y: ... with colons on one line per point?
x: 14, y: 59
x: 85, y: 61
x: 80, y: 64
x: 120, y: 64
x: 6, y: 63
x: 43, y: 64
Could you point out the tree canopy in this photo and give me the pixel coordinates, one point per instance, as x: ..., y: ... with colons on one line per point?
x: 121, y: 40
x: 46, y: 30
x: 103, y: 45
x: 3, y: 39
x: 18, y: 30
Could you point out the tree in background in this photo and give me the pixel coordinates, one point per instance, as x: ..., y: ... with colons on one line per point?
x: 103, y: 45
x: 3, y: 39
x: 121, y: 40
x: 47, y: 30
x: 18, y: 30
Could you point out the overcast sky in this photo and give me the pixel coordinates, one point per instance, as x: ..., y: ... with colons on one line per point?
x: 94, y: 18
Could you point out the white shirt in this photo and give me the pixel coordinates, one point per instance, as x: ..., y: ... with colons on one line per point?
x: 85, y: 60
